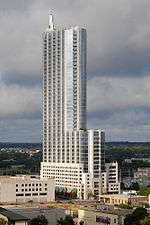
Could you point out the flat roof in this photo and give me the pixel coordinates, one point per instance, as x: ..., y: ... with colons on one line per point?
x: 115, y: 211
x: 122, y: 196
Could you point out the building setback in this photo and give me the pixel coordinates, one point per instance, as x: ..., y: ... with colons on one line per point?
x: 72, y: 154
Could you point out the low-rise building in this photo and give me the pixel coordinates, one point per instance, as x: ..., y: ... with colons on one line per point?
x: 134, y: 200
x: 21, y: 189
x: 110, y: 179
x: 99, y: 217
x: 13, y: 218
x: 52, y: 214
x: 89, y: 216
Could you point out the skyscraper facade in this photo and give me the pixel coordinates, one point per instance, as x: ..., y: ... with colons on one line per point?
x: 72, y: 154
x: 64, y: 90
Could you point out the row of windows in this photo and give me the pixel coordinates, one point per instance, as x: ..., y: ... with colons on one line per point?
x: 33, y: 184
x: 29, y: 194
x: 33, y: 189
x: 73, y: 169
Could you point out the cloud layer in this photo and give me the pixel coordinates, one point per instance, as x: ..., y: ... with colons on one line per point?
x: 19, y: 101
x: 118, y: 65
x: 115, y: 93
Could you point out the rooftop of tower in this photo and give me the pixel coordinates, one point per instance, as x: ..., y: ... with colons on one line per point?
x: 51, y: 26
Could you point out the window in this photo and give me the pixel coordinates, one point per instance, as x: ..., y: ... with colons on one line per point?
x: 16, y: 190
x: 43, y: 193
x: 35, y: 194
x: 19, y: 194
x: 27, y: 194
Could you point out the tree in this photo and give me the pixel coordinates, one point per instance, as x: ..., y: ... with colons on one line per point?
x: 39, y: 220
x: 4, y: 222
x: 89, y: 194
x: 128, y: 220
x: 144, y: 191
x: 68, y: 220
x: 145, y: 221
x: 73, y: 193
x: 135, y: 186
x: 122, y: 186
x: 135, y: 218
x: 125, y: 206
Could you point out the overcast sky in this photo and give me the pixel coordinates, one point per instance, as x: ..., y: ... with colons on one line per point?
x: 118, y: 65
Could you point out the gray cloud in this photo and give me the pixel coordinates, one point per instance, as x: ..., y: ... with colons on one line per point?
x: 126, y: 125
x: 113, y: 93
x: 118, y: 61
x: 21, y: 130
x: 15, y: 4
x: 19, y: 100
x: 118, y: 34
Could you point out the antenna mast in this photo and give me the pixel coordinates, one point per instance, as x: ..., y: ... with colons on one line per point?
x: 51, y: 23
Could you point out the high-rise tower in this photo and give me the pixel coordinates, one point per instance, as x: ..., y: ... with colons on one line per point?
x: 64, y: 89
x: 73, y: 155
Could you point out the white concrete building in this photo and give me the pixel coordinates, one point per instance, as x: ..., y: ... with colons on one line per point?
x: 72, y: 154
x: 86, y: 175
x: 64, y: 93
x: 21, y: 189
x: 110, y: 179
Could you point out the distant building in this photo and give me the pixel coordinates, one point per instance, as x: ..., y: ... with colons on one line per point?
x: 130, y: 193
x: 142, y: 176
x: 132, y: 160
x: 135, y: 200
x: 142, y: 172
x: 110, y: 179
x: 21, y: 189
x: 13, y: 218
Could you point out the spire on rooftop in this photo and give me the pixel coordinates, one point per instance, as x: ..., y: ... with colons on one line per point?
x: 51, y: 23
